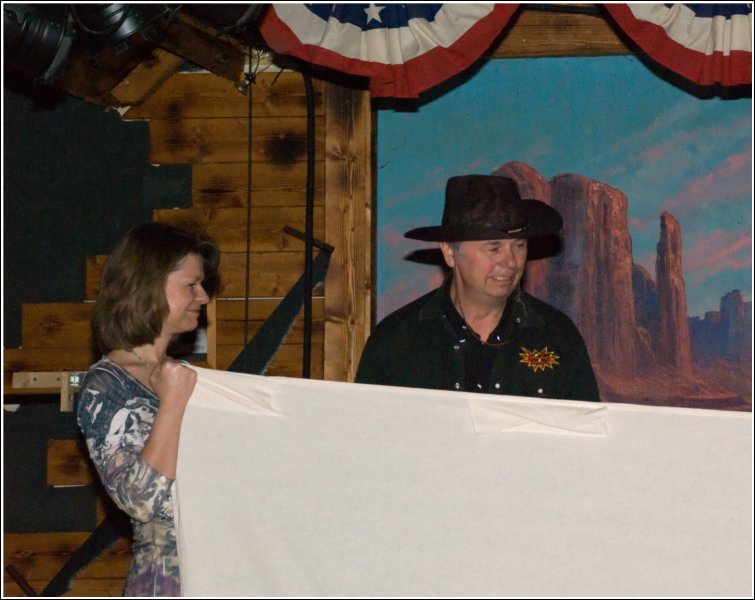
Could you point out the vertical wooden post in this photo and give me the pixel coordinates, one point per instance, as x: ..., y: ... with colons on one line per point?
x: 348, y: 227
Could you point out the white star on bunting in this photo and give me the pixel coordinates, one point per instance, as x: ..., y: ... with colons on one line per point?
x: 373, y: 13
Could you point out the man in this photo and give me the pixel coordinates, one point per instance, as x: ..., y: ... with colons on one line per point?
x: 479, y: 332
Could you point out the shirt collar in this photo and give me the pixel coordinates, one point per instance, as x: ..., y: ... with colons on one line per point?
x: 517, y: 311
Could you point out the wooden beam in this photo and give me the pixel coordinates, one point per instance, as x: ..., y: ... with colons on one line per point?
x: 227, y: 226
x: 541, y: 33
x: 197, y: 95
x: 220, y: 54
x: 348, y: 227
x: 92, y: 74
x: 36, y: 360
x: 63, y: 382
x: 273, y: 184
x: 279, y: 140
x: 149, y: 75
x: 56, y: 325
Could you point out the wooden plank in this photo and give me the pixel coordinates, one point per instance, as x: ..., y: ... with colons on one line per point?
x: 280, y: 140
x: 64, y: 382
x: 39, y: 556
x: 225, y: 184
x: 232, y: 332
x: 43, y: 359
x: 147, y: 77
x: 197, y: 95
x: 68, y: 463
x: 272, y: 274
x: 82, y: 587
x: 259, y: 308
x: 348, y: 227
x: 92, y: 75
x: 56, y: 325
x: 287, y: 362
x: 187, y: 37
x: 39, y: 379
x: 536, y: 33
x: 227, y: 226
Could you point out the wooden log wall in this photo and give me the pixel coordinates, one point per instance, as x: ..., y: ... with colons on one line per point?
x: 201, y: 119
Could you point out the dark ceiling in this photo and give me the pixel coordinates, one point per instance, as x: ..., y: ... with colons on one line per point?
x: 118, y: 54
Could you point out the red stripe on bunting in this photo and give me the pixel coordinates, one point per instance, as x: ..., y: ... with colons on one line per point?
x: 405, y: 80
x: 700, y: 68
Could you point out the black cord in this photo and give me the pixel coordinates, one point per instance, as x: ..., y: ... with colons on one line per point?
x: 309, y: 227
x: 247, y: 284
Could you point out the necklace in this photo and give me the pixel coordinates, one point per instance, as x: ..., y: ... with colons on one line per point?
x: 141, y: 360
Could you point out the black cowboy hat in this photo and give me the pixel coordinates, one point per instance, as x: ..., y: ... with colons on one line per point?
x: 488, y: 207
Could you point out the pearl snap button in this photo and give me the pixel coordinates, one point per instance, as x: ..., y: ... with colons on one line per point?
x: 498, y: 386
x: 457, y: 385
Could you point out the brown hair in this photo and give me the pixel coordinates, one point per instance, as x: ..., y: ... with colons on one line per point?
x: 131, y: 304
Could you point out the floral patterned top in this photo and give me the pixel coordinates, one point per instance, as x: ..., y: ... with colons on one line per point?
x: 115, y: 413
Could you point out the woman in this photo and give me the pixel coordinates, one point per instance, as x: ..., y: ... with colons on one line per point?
x: 132, y: 400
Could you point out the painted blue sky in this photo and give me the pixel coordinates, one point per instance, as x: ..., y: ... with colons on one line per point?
x: 608, y: 118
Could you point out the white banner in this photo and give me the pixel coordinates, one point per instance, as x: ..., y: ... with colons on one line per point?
x: 289, y: 487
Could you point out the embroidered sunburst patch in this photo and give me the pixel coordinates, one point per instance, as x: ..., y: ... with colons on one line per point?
x: 538, y: 360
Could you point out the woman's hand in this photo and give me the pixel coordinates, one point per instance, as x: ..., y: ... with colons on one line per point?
x: 173, y: 383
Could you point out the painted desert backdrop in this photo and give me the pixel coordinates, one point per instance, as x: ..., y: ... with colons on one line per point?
x: 654, y: 264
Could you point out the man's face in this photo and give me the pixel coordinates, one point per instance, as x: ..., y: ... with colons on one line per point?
x: 486, y: 271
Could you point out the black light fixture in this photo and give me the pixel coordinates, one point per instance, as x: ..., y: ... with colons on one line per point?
x: 37, y: 39
x: 112, y: 24
x: 237, y: 20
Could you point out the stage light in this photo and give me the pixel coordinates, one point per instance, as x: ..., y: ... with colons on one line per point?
x: 37, y: 39
x: 112, y: 24
x: 236, y: 20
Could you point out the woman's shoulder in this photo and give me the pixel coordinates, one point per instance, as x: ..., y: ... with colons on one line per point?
x: 106, y: 372
x: 107, y: 388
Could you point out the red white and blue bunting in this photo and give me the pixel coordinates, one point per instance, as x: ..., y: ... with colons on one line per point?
x: 404, y: 49
x: 704, y: 43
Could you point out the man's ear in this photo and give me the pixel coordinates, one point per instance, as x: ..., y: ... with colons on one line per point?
x: 448, y: 254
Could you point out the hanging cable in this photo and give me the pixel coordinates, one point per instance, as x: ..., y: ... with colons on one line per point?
x: 309, y: 227
x: 247, y: 283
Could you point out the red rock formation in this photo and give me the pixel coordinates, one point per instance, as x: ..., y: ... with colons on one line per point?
x: 591, y: 280
x: 672, y: 339
x: 736, y: 341
x: 636, y: 329
x: 532, y: 186
x: 646, y: 315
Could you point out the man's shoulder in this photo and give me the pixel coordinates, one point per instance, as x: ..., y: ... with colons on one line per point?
x: 415, y: 308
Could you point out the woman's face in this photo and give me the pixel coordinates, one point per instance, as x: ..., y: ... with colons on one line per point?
x: 185, y: 296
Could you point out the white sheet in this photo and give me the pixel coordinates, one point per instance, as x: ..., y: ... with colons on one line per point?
x: 289, y: 487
